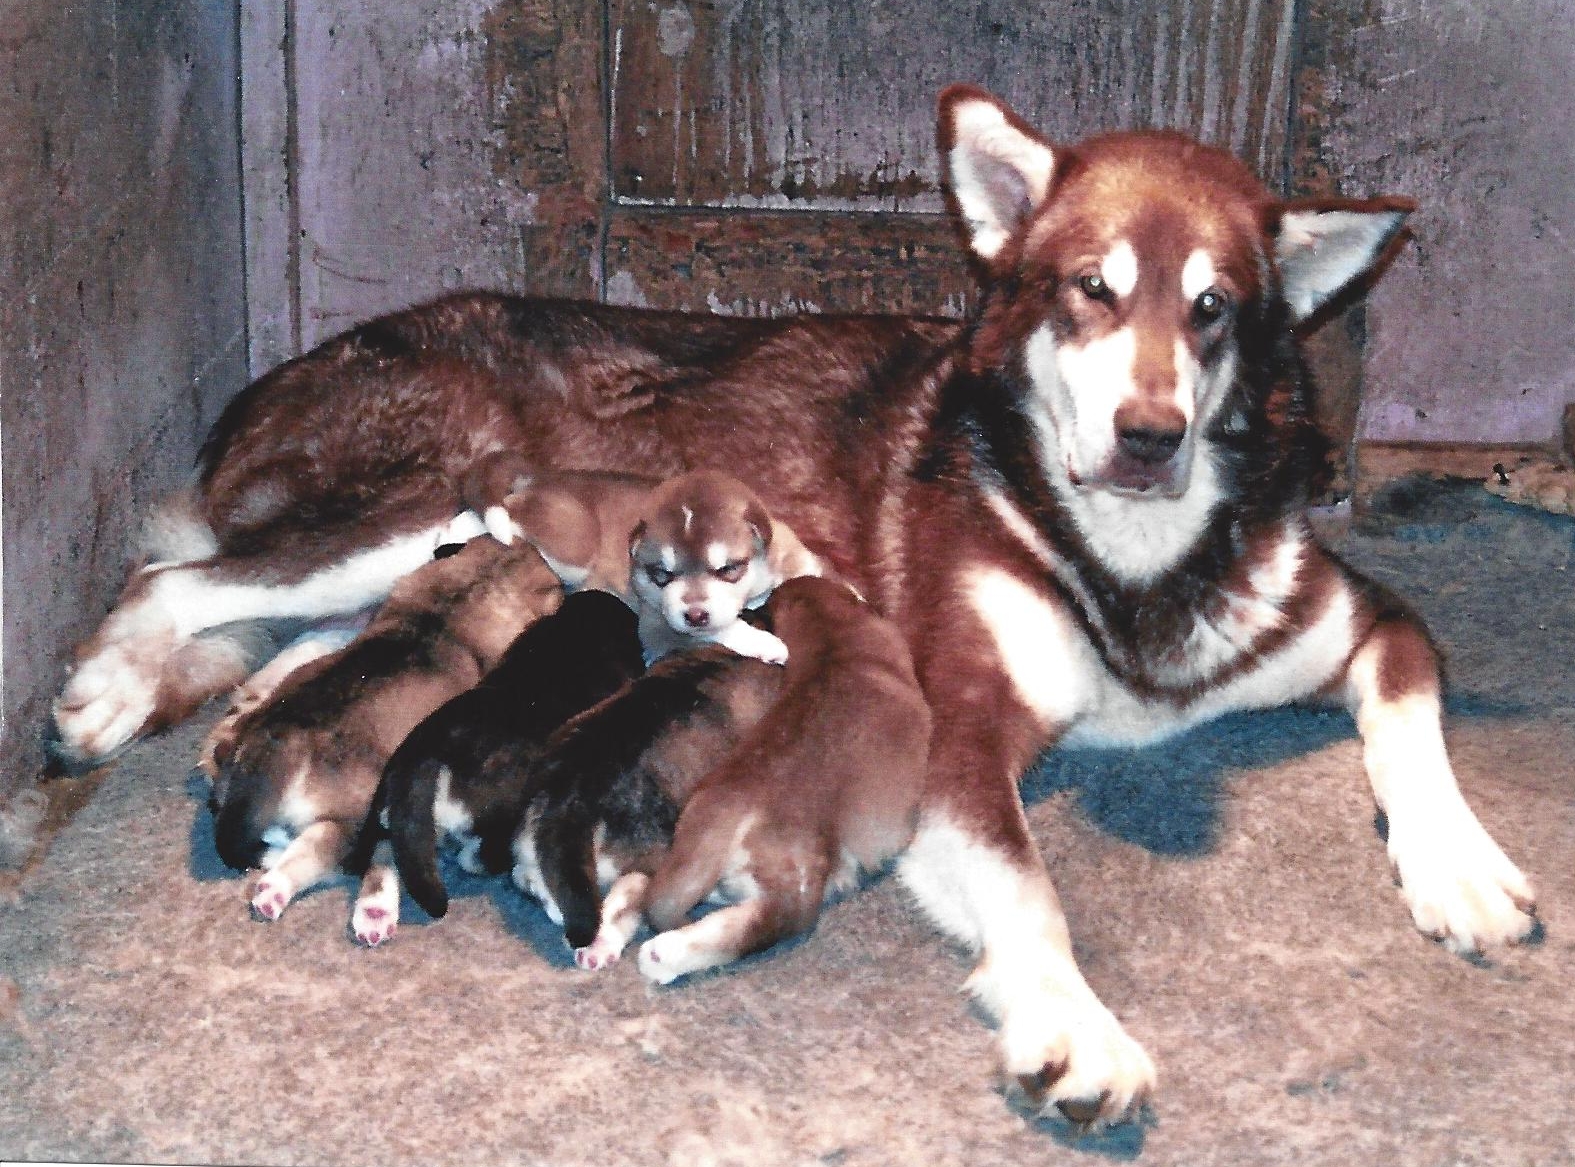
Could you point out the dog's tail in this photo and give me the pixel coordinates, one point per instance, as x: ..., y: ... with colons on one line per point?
x: 406, y: 799
x: 248, y: 805
x: 566, y: 851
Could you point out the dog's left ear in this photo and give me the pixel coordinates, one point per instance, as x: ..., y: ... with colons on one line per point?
x: 635, y: 536
x: 1322, y: 247
x: 759, y: 522
x: 997, y: 167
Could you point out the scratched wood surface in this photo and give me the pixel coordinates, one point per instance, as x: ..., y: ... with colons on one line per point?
x: 829, y: 104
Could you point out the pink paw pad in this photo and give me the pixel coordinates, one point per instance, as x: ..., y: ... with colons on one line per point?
x: 269, y: 902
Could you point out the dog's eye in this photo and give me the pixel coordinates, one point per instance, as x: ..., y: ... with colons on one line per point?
x: 1209, y: 306
x: 1094, y: 287
x: 731, y: 572
x: 658, y: 574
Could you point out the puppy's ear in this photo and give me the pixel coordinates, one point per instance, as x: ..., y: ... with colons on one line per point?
x: 635, y: 536
x: 1327, y: 245
x: 997, y: 168
x: 759, y: 522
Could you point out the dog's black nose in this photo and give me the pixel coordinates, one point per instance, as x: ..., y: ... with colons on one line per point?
x: 1152, y: 447
x: 696, y: 617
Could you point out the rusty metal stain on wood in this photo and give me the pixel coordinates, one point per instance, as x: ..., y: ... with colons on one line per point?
x: 827, y: 105
x: 770, y: 263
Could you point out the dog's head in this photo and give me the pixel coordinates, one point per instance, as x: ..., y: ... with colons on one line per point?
x: 698, y: 555
x: 1128, y: 279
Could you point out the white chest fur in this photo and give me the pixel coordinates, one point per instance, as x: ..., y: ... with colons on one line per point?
x: 1060, y: 677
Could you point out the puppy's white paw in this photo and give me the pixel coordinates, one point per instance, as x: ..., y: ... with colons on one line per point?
x: 598, y: 954
x: 373, y: 923
x: 271, y: 896
x: 1460, y: 886
x: 666, y: 957
x: 1068, y: 1053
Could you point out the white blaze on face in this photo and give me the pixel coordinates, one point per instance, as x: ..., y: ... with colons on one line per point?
x: 1084, y: 385
x: 1119, y: 269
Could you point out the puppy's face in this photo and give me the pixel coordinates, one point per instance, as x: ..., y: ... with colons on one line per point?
x: 699, y: 555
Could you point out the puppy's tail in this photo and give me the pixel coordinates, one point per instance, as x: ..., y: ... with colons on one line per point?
x: 248, y: 804
x: 407, y: 794
x: 707, y: 836
x: 566, y: 851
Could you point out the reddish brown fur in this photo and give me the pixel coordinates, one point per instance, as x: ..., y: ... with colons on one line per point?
x: 834, y: 771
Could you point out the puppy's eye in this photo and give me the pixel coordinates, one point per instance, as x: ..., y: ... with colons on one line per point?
x: 1210, y: 306
x: 658, y: 574
x: 732, y: 572
x: 1094, y: 287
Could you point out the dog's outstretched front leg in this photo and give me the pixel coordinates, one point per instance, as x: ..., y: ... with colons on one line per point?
x: 976, y: 872
x: 1461, y: 887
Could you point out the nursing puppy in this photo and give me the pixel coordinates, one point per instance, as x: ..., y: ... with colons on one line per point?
x: 1084, y: 507
x: 825, y: 786
x: 690, y: 554
x: 294, y: 786
x: 604, y: 797
x: 460, y: 774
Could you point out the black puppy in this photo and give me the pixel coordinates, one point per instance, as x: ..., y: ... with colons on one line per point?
x: 461, y: 770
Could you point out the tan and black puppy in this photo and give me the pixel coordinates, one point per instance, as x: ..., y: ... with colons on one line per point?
x: 824, y: 786
x: 689, y: 554
x: 294, y: 784
x: 603, y: 799
x: 460, y: 774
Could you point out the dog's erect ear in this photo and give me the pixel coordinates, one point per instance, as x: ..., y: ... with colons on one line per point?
x: 1323, y: 246
x: 759, y: 522
x: 635, y: 536
x: 996, y: 166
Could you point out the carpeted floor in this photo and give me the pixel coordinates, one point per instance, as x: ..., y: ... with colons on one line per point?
x: 1228, y: 892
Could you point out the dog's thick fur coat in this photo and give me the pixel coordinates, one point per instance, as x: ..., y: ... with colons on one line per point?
x: 1083, y: 508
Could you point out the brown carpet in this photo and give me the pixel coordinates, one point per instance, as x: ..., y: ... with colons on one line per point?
x: 1228, y: 892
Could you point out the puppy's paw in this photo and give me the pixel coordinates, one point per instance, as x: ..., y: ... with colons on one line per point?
x: 373, y: 924
x: 597, y: 955
x: 1460, y: 886
x: 1068, y: 1055
x: 666, y: 957
x: 271, y: 896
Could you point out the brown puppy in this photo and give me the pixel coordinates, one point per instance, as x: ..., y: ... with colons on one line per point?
x: 689, y: 555
x: 294, y: 784
x: 826, y: 786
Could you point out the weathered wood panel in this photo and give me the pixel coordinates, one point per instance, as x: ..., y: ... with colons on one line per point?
x: 767, y: 264
x: 122, y: 325
x: 419, y: 148
x: 819, y: 102
x: 1461, y: 104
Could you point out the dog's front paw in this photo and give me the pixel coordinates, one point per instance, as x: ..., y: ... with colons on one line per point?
x: 1461, y: 887
x: 271, y: 896
x: 1072, y: 1057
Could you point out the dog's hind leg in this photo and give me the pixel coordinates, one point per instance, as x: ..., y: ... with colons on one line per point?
x: 133, y: 675
x: 725, y: 935
x: 376, y: 915
x: 620, y: 920
x: 307, y: 860
x: 1461, y: 887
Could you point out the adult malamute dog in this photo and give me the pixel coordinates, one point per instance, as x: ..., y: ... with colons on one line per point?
x: 1083, y: 508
